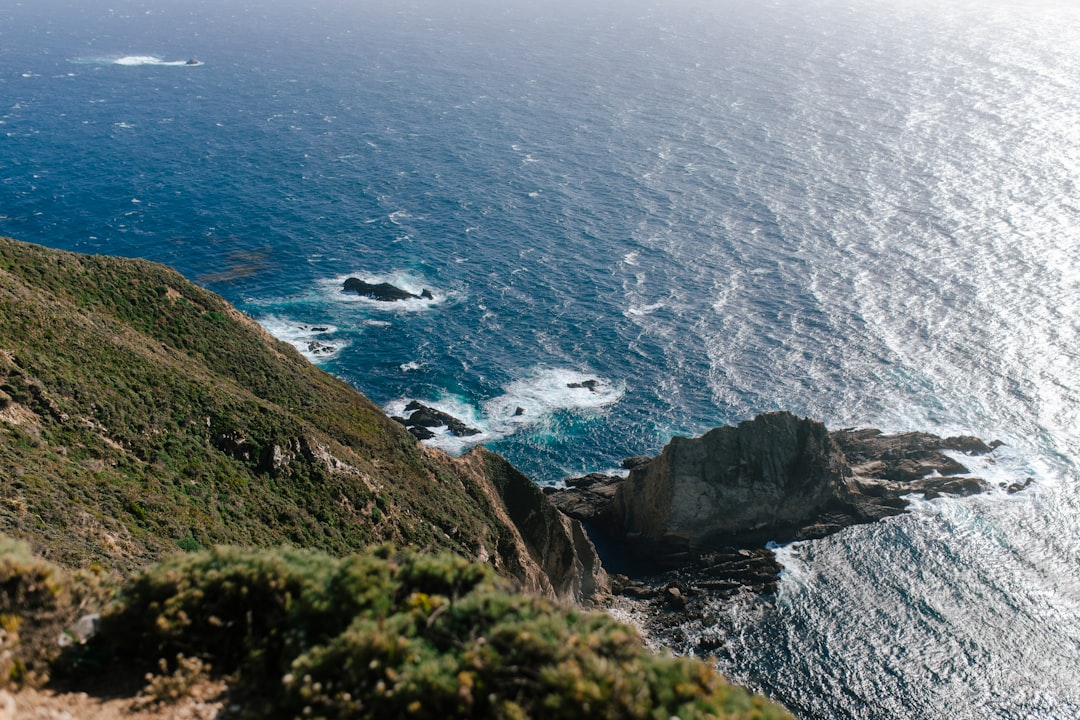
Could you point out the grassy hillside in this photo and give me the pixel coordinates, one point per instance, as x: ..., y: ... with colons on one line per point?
x: 141, y: 415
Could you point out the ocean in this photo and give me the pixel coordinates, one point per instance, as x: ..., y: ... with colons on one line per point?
x: 863, y: 212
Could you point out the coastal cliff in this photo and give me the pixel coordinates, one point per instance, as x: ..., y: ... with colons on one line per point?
x: 148, y: 429
x: 141, y: 415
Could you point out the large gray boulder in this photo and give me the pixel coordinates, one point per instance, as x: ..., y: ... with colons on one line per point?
x: 761, y: 480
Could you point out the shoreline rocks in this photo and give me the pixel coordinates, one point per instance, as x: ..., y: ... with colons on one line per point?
x: 702, y: 511
x: 422, y: 418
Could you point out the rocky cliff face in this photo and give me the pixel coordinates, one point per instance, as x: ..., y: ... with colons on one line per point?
x: 777, y: 477
x: 761, y: 480
x: 548, y: 552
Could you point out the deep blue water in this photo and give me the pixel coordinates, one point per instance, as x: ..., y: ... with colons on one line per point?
x: 861, y: 211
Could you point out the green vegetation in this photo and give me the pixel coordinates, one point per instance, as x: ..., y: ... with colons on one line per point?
x: 141, y: 414
x: 395, y: 634
x: 39, y: 602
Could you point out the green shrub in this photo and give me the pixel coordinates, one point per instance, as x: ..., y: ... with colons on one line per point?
x: 399, y: 634
x: 38, y: 603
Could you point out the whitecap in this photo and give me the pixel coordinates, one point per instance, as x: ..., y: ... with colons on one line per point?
x: 544, y: 391
x: 133, y: 60
x: 142, y: 60
x: 643, y: 309
x: 527, y: 403
x: 316, y: 342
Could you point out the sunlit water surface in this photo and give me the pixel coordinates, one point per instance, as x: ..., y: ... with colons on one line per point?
x: 862, y: 212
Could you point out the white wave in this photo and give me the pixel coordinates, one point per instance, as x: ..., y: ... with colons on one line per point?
x: 643, y: 310
x: 410, y: 366
x: 315, y: 342
x: 136, y: 61
x: 795, y: 573
x: 547, y: 390
x: 527, y: 403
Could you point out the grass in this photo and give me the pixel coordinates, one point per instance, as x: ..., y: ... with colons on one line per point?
x: 146, y: 415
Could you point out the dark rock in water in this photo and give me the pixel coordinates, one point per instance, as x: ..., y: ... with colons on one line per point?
x: 427, y: 417
x: 519, y: 411
x: 423, y: 417
x: 589, y: 385
x: 317, y: 348
x: 426, y: 294
x: 674, y: 597
x: 706, y: 506
x: 590, y: 498
x: 1016, y: 487
x: 745, y: 485
x: 420, y: 433
x: 383, y: 292
x: 780, y: 477
x: 906, y: 456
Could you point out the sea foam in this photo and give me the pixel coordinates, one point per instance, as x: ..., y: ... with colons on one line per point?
x: 315, y: 342
x: 526, y: 404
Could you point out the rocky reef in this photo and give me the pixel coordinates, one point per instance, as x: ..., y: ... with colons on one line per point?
x: 422, y: 418
x: 697, y: 518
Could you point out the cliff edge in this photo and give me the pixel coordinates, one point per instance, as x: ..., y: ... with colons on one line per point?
x: 141, y: 415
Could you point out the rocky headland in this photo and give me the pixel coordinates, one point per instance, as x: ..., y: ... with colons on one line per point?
x: 696, y: 519
x: 141, y: 415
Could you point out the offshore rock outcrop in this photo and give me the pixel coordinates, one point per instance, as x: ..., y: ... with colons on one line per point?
x: 691, y: 525
x: 422, y: 418
x: 383, y: 292
x: 777, y: 477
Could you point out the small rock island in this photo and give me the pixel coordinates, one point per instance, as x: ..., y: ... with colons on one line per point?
x: 709, y: 505
x: 383, y: 292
